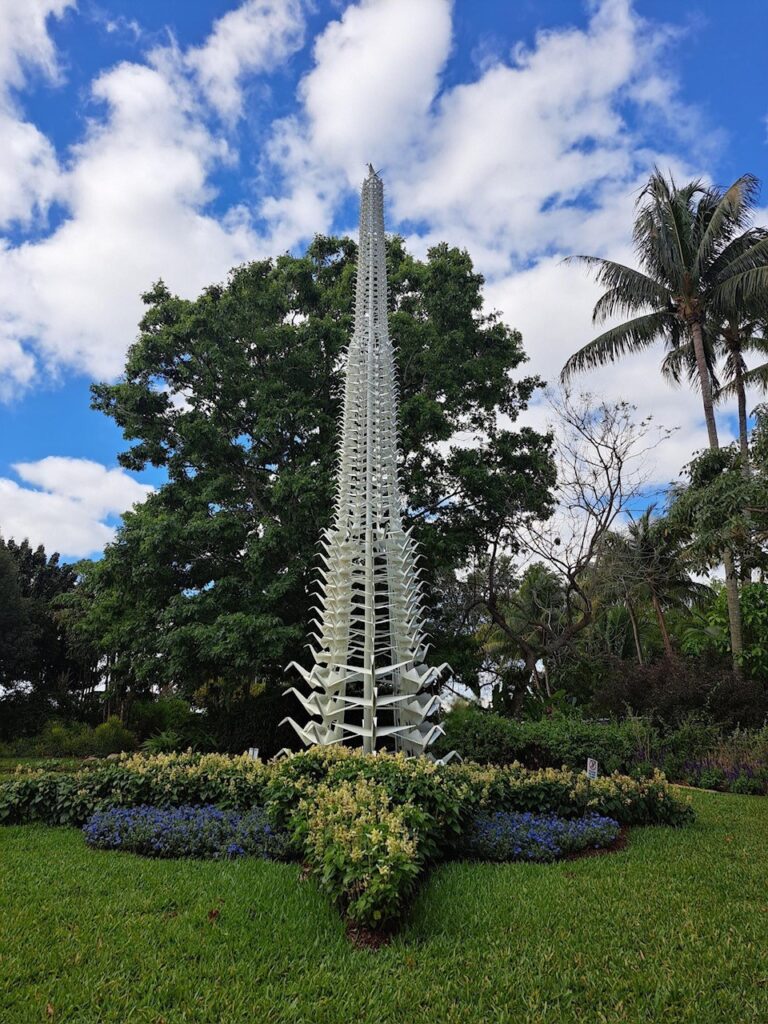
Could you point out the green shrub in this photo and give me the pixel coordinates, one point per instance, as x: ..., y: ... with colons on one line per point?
x: 749, y: 785
x: 111, y: 737
x: 167, y: 780
x: 166, y: 742
x: 439, y: 792
x: 363, y: 849
x: 547, y: 743
x: 75, y: 739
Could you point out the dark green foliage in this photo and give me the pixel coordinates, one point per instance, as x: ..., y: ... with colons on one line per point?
x: 59, y: 738
x: 59, y: 798
x: 41, y: 672
x: 236, y: 396
x: 668, y: 690
x: 695, y: 751
x: 546, y: 743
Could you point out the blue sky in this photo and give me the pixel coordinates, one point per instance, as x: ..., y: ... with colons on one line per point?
x: 156, y: 138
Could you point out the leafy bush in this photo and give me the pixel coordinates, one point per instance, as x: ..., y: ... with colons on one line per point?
x: 537, y: 837
x: 111, y: 737
x: 736, y: 763
x: 696, y: 752
x: 669, y: 690
x: 185, y: 832
x: 437, y: 790
x: 548, y: 743
x: 166, y: 780
x: 166, y: 742
x: 363, y: 849
x: 74, y: 739
x: 569, y: 794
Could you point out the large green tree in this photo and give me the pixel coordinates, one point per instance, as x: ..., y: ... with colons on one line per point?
x: 700, y: 262
x: 40, y: 672
x: 236, y: 396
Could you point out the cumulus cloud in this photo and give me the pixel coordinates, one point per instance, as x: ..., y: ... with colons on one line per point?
x: 252, y: 38
x: 136, y: 191
x: 29, y: 170
x: 539, y: 155
x: 63, y: 503
x: 375, y: 75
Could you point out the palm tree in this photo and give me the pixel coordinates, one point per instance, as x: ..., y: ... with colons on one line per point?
x: 731, y: 340
x: 648, y: 563
x: 700, y: 261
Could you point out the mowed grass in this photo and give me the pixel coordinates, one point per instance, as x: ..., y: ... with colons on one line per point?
x: 673, y: 929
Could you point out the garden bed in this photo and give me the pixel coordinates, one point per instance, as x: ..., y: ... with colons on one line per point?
x: 367, y: 826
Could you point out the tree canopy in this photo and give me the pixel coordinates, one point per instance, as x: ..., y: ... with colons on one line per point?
x: 236, y: 395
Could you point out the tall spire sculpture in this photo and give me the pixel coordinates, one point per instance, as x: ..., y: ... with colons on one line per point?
x: 369, y: 682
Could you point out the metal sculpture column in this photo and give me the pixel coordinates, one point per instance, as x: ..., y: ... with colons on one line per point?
x: 369, y: 682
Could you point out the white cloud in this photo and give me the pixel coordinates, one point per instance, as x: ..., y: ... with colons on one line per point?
x: 366, y: 99
x: 24, y: 39
x: 538, y: 156
x: 66, y: 506
x: 29, y: 170
x: 136, y: 191
x: 254, y: 37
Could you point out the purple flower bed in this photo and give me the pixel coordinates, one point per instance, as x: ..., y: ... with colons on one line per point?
x: 537, y: 837
x: 186, y: 832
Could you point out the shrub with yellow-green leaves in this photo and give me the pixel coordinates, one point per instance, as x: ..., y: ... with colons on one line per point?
x: 364, y: 850
x: 165, y: 780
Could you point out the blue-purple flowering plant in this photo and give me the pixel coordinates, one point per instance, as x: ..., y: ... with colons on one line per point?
x: 186, y: 832
x: 537, y: 837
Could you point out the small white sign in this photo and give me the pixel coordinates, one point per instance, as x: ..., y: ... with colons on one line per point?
x: 591, y: 768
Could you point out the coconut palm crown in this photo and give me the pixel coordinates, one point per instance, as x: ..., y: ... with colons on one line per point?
x: 699, y: 261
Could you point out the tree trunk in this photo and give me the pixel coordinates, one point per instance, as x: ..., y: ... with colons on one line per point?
x: 734, y: 611
x: 705, y: 384
x: 668, y: 649
x: 731, y: 581
x: 743, y: 439
x: 635, y: 633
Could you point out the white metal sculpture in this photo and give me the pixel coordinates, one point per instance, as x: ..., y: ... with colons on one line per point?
x: 369, y: 682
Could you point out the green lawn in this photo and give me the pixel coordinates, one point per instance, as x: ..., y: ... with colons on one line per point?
x: 674, y: 929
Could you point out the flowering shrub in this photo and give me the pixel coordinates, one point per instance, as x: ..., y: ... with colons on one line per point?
x: 365, y: 825
x: 166, y: 780
x: 363, y: 849
x: 537, y: 837
x: 185, y: 832
x: 441, y: 794
x: 570, y: 794
x: 737, y: 763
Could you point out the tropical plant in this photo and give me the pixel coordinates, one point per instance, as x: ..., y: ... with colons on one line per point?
x: 700, y: 261
x: 648, y: 562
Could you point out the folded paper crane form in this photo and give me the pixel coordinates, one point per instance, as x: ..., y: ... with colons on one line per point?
x: 369, y: 683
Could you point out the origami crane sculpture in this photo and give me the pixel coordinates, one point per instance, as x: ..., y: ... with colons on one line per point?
x: 369, y: 682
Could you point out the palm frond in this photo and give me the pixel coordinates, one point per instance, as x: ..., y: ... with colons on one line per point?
x: 757, y: 378
x: 743, y: 290
x: 628, y: 290
x: 720, y: 214
x: 680, y: 362
x: 632, y: 336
